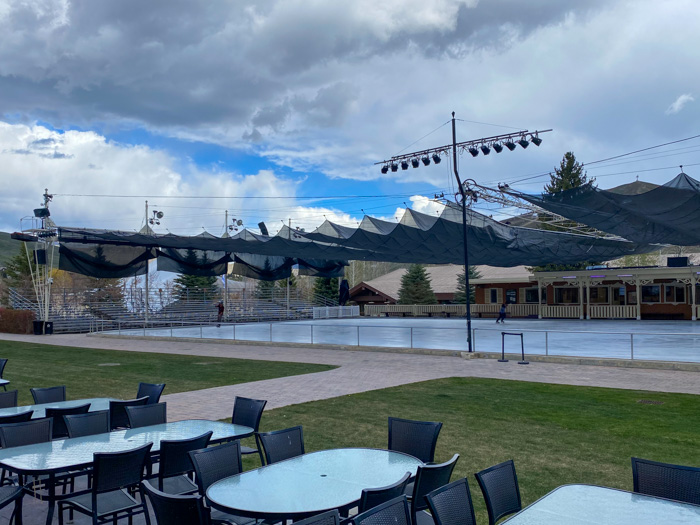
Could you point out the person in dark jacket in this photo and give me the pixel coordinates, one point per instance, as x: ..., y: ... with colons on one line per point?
x: 220, y: 315
x: 502, y: 314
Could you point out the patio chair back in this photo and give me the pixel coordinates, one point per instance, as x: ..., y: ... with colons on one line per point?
x: 54, y: 394
x: 26, y: 433
x: 151, y: 391
x: 429, y: 478
x: 171, y: 510
x: 452, y: 504
x: 499, y: 484
x: 59, y: 424
x: 12, y: 494
x: 373, y: 497
x: 145, y: 415
x: 17, y: 418
x: 330, y: 517
x: 88, y: 424
x: 392, y: 512
x: 416, y: 438
x: 117, y: 411
x: 8, y: 399
x: 3, y: 363
x: 119, y: 470
x: 666, y: 480
x: 175, y: 456
x: 282, y: 444
x: 248, y: 412
x: 215, y: 463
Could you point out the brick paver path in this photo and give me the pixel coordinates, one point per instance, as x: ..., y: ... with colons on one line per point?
x: 362, y: 371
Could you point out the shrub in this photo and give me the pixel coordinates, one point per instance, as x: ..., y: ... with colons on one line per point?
x: 16, y: 321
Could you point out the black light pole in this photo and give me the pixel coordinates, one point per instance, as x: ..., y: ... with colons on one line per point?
x: 485, y: 144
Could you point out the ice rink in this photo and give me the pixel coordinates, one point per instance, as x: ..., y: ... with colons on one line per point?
x: 648, y: 340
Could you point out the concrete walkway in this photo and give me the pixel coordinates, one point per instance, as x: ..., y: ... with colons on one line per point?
x: 361, y: 371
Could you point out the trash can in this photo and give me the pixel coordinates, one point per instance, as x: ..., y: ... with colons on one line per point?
x: 43, y: 327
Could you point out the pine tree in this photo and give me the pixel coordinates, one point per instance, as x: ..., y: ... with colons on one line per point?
x: 415, y: 287
x: 327, y: 287
x: 264, y: 289
x: 194, y: 286
x: 18, y: 271
x: 459, y: 297
x: 568, y: 175
x: 282, y: 283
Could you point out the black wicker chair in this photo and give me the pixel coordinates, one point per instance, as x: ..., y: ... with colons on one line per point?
x: 248, y: 412
x: 428, y: 478
x: 54, y: 394
x: 416, y: 438
x: 17, y: 418
x: 373, y: 497
x: 330, y: 517
x: 25, y: 433
x: 170, y: 509
x: 499, y: 484
x: 114, y: 474
x: 151, y: 391
x: 12, y: 494
x: 57, y: 415
x: 282, y: 444
x: 211, y: 465
x: 3, y: 362
x: 89, y: 424
x: 666, y: 480
x: 452, y: 504
x: 392, y: 512
x: 176, y: 464
x: 117, y: 411
x: 146, y: 415
x: 8, y: 399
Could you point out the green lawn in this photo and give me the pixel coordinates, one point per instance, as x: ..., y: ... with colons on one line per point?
x: 88, y: 372
x: 556, y: 434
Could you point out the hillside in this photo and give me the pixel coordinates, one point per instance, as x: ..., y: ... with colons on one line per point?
x: 8, y: 248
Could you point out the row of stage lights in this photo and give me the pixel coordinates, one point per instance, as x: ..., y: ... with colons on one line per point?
x: 473, y: 150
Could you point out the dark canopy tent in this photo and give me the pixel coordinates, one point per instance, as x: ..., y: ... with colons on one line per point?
x: 668, y: 214
x: 417, y: 238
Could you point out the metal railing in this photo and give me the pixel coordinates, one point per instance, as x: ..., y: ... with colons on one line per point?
x: 335, y: 312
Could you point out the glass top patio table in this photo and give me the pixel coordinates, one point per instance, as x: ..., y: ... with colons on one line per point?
x: 589, y: 505
x: 311, y: 483
x: 96, y: 403
x: 68, y: 454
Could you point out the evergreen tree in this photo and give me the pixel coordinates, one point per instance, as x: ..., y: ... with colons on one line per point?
x: 459, y: 297
x: 263, y: 288
x: 327, y: 287
x: 17, y: 271
x: 568, y: 175
x: 194, y: 286
x: 415, y: 287
x: 282, y: 283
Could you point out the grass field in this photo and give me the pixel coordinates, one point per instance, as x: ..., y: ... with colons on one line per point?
x: 88, y: 372
x: 556, y: 434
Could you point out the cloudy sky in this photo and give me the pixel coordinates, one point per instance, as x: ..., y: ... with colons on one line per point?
x: 278, y: 109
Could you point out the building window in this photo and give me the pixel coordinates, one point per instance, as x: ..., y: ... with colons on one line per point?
x: 493, y: 295
x: 566, y: 295
x: 511, y: 296
x: 531, y: 295
x: 675, y: 293
x: 599, y: 295
x: 651, y: 293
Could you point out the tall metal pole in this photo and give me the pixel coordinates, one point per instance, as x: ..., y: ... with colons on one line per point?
x: 226, y: 274
x: 146, y: 300
x: 463, y: 193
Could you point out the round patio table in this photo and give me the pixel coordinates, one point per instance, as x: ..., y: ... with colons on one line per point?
x: 309, y: 484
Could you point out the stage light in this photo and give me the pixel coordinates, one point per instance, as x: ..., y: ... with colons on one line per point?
x: 436, y: 158
x: 510, y: 145
x: 535, y: 140
x: 415, y: 163
x: 485, y: 149
x: 385, y: 169
x: 473, y: 151
x: 523, y: 142
x: 498, y: 147
x: 404, y: 164
x: 394, y: 167
x: 426, y: 161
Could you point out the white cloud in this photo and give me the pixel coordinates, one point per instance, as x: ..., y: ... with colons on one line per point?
x: 679, y: 104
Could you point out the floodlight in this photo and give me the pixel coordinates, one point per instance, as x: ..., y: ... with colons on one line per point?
x: 415, y: 163
x: 404, y: 164
x: 436, y: 158
x: 535, y: 140
x: 385, y: 169
x: 41, y: 213
x: 159, y: 214
x: 523, y: 142
x: 394, y: 167
x: 498, y: 147
x: 426, y: 161
x: 510, y: 145
x: 239, y: 222
x: 485, y: 149
x: 474, y: 151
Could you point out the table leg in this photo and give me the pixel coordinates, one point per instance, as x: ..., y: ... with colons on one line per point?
x: 51, y: 498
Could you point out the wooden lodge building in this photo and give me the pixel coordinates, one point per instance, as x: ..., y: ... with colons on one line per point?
x: 654, y: 292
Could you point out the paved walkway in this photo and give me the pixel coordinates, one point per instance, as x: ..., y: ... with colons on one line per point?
x: 362, y: 371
